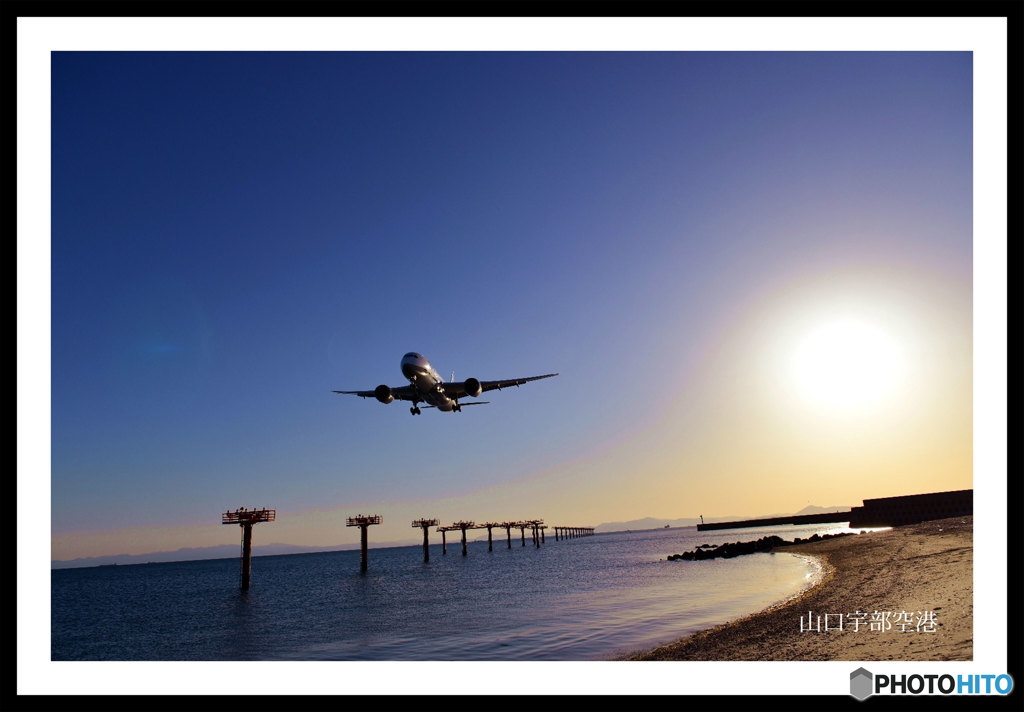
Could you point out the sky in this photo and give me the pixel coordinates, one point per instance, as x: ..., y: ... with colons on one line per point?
x: 752, y: 271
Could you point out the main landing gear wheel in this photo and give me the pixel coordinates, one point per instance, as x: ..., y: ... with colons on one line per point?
x: 414, y: 410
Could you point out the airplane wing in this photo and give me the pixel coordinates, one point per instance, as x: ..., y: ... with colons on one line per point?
x: 400, y: 393
x: 459, y: 390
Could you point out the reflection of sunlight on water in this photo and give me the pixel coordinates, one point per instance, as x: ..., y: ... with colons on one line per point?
x: 858, y: 530
x: 813, y: 576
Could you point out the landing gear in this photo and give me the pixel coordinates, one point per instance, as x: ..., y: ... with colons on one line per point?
x: 456, y: 408
x: 415, y: 410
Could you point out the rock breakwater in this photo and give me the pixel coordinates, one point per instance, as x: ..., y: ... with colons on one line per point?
x: 739, y: 548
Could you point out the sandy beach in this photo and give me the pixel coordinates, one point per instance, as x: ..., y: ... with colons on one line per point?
x: 920, y: 569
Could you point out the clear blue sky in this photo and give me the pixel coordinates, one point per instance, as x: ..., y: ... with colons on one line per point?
x: 234, y: 235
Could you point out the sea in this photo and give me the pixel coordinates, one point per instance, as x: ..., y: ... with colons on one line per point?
x: 597, y: 597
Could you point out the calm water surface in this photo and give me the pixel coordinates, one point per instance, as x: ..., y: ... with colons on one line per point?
x: 588, y: 598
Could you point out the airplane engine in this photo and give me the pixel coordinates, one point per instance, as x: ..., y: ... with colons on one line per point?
x: 383, y: 394
x: 473, y: 387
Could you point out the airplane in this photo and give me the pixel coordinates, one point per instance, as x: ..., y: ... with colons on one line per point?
x: 427, y: 386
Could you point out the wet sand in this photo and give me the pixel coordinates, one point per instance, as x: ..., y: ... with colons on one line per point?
x: 916, y: 568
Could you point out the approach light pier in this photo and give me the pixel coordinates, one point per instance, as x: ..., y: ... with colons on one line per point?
x: 461, y: 526
x: 246, y: 518
x: 537, y: 525
x: 572, y: 532
x: 425, y: 525
x: 363, y: 521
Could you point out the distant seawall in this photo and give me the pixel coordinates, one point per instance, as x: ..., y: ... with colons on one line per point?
x: 776, y: 521
x: 880, y: 512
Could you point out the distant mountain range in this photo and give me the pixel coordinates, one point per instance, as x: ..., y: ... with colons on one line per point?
x: 232, y: 551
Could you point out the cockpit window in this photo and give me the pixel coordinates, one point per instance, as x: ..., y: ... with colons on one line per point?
x: 412, y: 354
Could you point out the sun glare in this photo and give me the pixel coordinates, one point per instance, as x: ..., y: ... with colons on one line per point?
x: 846, y: 364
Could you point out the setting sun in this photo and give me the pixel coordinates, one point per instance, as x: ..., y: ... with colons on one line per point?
x: 847, y: 363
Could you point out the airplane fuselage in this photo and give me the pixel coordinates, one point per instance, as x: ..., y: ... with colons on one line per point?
x: 426, y: 381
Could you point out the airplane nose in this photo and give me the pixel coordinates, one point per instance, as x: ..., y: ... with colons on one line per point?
x: 409, y: 363
x: 413, y: 364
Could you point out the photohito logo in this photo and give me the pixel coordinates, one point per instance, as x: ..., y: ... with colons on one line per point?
x: 860, y: 683
x: 863, y: 684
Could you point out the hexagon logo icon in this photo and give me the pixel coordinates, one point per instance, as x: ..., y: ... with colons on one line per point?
x: 860, y: 683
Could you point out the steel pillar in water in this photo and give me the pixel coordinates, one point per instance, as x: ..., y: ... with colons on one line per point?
x: 246, y: 554
x: 425, y: 525
x: 245, y: 518
x: 363, y: 522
